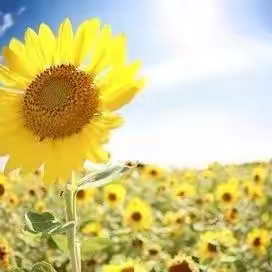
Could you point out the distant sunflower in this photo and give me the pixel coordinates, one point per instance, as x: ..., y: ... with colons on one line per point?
x: 138, y: 214
x: 127, y: 266
x: 182, y: 263
x: 184, y: 190
x: 12, y: 200
x: 58, y: 95
x: 258, y: 240
x: 256, y: 192
x: 211, y: 242
x: 93, y: 229
x: 259, y: 174
x: 227, y: 193
x: 86, y: 195
x: 114, y: 194
x: 232, y: 215
x: 152, y: 172
x: 208, y: 245
x: 4, y: 187
x: 5, y: 254
x: 152, y: 251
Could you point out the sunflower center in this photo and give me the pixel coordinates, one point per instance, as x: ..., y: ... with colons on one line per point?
x: 3, y: 253
x: 153, y: 252
x: 2, y: 189
x: 212, y: 248
x: 227, y: 197
x: 136, y: 216
x: 257, y: 242
x: 128, y: 269
x: 59, y: 102
x: 80, y: 194
x: 180, y: 267
x: 112, y: 197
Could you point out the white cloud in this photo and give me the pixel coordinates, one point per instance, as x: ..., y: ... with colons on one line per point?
x: 201, y: 46
x: 7, y: 23
x: 21, y: 10
x: 194, y: 136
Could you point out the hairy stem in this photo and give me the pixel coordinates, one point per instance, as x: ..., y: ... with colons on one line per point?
x: 72, y: 242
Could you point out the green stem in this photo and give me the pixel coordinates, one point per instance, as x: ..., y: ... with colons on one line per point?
x: 77, y: 241
x: 71, y: 233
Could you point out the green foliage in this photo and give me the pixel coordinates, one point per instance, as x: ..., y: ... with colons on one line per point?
x: 42, y: 267
x: 92, y: 245
x: 41, y: 222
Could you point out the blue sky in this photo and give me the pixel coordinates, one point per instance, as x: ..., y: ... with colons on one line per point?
x: 209, y: 65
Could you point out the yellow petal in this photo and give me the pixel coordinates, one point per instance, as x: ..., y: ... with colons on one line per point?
x: 85, y: 37
x: 118, y: 78
x: 118, y: 50
x: 16, y: 64
x: 9, y: 78
x: 121, y: 97
x: 97, y: 155
x: 33, y: 50
x: 100, y: 52
x: 47, y: 43
x: 65, y: 46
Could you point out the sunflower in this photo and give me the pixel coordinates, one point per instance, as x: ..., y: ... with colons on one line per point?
x: 176, y: 221
x: 58, y: 95
x: 86, y: 195
x: 4, y: 187
x: 211, y: 242
x: 128, y: 266
x: 259, y: 174
x: 138, y: 214
x: 227, y: 193
x: 184, y: 190
x: 255, y: 192
x: 93, y: 229
x: 232, y: 215
x: 114, y: 194
x: 208, y: 246
x: 12, y: 200
x: 152, y: 172
x: 152, y: 251
x: 182, y: 263
x: 40, y: 206
x: 258, y: 240
x: 4, y: 254
x: 207, y: 174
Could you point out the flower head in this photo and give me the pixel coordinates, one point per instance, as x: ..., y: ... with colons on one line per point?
x: 258, y: 240
x: 127, y: 266
x: 58, y: 95
x: 182, y: 263
x: 114, y: 194
x: 138, y: 214
x: 227, y: 193
x: 4, y: 254
x: 184, y: 190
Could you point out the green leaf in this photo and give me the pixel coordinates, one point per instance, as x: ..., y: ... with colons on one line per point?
x: 42, y: 267
x: 94, y: 244
x: 61, y: 242
x: 41, y: 222
x: 63, y: 228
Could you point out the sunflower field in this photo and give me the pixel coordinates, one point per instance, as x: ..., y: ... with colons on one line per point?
x: 154, y: 219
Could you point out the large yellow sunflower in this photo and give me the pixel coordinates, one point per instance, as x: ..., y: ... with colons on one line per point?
x: 57, y: 96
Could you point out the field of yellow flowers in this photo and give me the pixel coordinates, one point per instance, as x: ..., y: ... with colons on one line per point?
x: 177, y: 220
